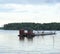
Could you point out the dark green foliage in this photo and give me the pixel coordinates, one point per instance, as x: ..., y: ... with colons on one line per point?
x: 1, y: 28
x: 35, y: 26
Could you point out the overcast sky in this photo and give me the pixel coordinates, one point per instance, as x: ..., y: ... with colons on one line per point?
x: 38, y: 11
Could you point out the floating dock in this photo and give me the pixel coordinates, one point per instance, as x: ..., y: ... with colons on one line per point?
x: 29, y: 33
x: 47, y: 33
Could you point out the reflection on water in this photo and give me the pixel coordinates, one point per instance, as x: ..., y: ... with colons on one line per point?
x: 10, y: 43
x: 28, y: 38
x: 21, y: 38
x: 42, y: 38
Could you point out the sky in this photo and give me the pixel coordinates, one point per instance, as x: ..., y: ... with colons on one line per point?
x: 37, y: 11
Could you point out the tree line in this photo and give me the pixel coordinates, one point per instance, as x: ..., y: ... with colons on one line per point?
x: 34, y: 26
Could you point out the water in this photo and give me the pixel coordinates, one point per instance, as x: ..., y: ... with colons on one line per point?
x: 11, y: 44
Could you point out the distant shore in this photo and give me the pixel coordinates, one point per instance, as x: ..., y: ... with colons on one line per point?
x: 34, y: 26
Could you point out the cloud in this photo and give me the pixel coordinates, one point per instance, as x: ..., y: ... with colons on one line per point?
x: 28, y: 1
x: 21, y: 8
x: 29, y: 13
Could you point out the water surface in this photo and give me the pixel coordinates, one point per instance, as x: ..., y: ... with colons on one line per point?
x: 11, y: 44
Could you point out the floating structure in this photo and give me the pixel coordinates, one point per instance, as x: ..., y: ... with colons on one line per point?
x: 26, y: 33
x: 29, y: 33
x: 45, y: 33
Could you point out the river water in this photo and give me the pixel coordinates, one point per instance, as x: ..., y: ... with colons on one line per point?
x: 11, y: 44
